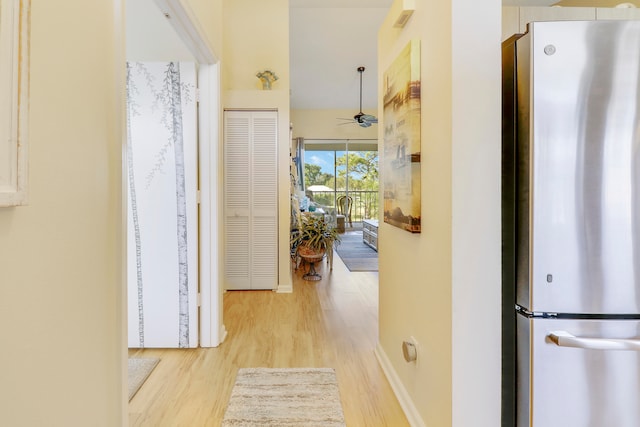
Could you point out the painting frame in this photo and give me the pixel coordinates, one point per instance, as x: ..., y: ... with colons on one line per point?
x: 402, y: 140
x: 14, y: 101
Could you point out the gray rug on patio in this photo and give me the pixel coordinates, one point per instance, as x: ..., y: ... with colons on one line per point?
x: 279, y: 397
x: 355, y: 254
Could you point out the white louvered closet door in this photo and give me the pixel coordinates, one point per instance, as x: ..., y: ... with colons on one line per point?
x: 251, y: 238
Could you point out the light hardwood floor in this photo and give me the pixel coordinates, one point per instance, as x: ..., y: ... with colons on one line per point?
x: 329, y: 323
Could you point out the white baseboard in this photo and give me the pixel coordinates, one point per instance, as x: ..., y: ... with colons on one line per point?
x: 285, y: 289
x: 223, y: 334
x: 410, y: 410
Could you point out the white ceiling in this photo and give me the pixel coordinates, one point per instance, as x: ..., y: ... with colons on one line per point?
x: 327, y: 45
x: 329, y: 40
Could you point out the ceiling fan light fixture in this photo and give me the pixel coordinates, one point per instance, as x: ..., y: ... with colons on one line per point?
x: 362, y: 119
x: 408, y: 7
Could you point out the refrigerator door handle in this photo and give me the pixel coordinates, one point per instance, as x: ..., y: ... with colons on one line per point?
x: 565, y: 339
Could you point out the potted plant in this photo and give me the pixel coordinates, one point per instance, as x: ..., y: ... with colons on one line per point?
x: 312, y: 239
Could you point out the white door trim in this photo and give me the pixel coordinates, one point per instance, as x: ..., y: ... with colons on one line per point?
x: 183, y: 20
x: 187, y: 26
x: 212, y: 330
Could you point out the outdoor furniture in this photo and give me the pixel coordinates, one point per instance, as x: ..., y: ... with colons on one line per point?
x: 344, y: 208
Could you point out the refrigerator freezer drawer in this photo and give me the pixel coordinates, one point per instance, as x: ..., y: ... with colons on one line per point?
x: 578, y: 373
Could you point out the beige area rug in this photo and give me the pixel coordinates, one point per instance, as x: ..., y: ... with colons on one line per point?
x: 139, y: 369
x: 306, y: 397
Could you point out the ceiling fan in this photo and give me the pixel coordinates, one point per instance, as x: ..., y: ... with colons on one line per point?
x: 361, y: 119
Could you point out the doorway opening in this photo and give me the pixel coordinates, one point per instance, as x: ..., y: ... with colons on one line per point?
x: 161, y: 33
x: 338, y: 169
x: 343, y: 176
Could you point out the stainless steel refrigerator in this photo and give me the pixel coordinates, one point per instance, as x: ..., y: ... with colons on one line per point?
x: 571, y: 225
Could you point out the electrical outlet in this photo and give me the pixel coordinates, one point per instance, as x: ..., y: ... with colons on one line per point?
x: 410, y: 349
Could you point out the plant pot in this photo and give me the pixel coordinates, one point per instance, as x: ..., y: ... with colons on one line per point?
x: 311, y: 256
x: 310, y: 253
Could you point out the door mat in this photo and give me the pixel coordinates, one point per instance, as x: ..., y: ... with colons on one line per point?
x: 285, y: 397
x: 139, y: 369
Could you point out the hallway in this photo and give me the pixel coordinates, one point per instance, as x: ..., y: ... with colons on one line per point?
x: 329, y: 323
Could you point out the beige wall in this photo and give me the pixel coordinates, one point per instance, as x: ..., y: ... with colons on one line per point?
x: 595, y: 3
x: 256, y: 37
x: 61, y: 287
x: 324, y: 124
x: 433, y: 284
x: 415, y: 269
x: 208, y: 14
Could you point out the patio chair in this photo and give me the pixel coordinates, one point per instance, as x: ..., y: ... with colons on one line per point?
x: 344, y: 208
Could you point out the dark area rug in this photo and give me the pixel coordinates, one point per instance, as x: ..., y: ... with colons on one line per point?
x: 355, y: 254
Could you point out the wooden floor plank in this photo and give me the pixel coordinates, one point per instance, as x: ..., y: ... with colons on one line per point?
x: 329, y: 323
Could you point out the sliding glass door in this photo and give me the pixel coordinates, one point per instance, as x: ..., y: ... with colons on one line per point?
x: 341, y: 173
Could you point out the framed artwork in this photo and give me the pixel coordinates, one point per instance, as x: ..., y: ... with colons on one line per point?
x: 401, y: 144
x: 14, y: 105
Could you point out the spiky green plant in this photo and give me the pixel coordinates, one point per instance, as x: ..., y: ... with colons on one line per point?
x: 315, y: 233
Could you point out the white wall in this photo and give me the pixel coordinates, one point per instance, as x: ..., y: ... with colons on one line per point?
x: 443, y: 286
x: 150, y: 35
x: 476, y: 212
x: 61, y: 282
